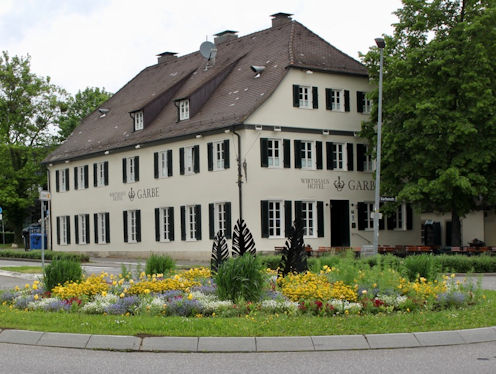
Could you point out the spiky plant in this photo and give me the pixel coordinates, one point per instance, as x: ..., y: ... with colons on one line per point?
x: 242, y: 240
x: 220, y: 252
x: 294, y: 256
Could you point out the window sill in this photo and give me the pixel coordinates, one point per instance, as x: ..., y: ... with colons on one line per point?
x: 165, y: 241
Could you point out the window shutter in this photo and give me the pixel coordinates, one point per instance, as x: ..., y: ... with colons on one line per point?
x: 228, y: 220
x: 86, y: 177
x: 124, y: 170
x: 315, y: 97
x: 264, y: 209
x: 330, y: 155
x: 288, y: 217
x: 183, y: 222
x: 106, y: 173
x: 94, y: 175
x: 318, y: 149
x: 361, y: 149
x: 196, y: 155
x: 58, y: 230
x: 138, y: 226
x: 286, y: 144
x: 75, y: 178
x: 87, y: 233
x: 298, y: 205
x: 360, y: 97
x: 171, y: 223
x: 136, y: 168
x: 68, y: 220
x: 346, y: 100
x: 409, y: 217
x: 107, y: 227
x: 320, y: 219
x: 296, y: 96
x: 226, y: 154
x: 297, y: 154
x: 155, y: 165
x: 157, y: 224
x: 76, y: 229
x: 349, y: 148
x: 181, y: 161
x: 67, y: 179
x: 169, y: 163
x: 210, y: 156
x: 211, y: 223
x: 124, y: 216
x: 57, y: 183
x: 328, y: 92
x: 362, y: 215
x: 198, y: 235
x: 264, y: 154
x: 391, y: 221
x: 95, y: 227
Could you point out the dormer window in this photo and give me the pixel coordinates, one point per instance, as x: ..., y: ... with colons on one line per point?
x: 183, y: 109
x: 138, y: 121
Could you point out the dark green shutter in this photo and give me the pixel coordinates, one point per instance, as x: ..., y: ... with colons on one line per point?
x: 318, y: 148
x: 296, y: 96
x: 183, y: 222
x: 155, y: 165
x: 286, y: 144
x: 228, y: 220
x: 198, y: 233
x: 211, y: 218
x: 169, y: 163
x: 328, y: 92
x: 264, y: 154
x: 76, y: 229
x: 210, y: 156
x: 138, y: 226
x: 171, y: 223
x: 320, y: 219
x: 315, y: 97
x: 181, y: 161
x: 87, y: 233
x: 362, y: 215
x: 409, y: 217
x: 124, y: 216
x: 360, y: 95
x: 58, y: 230
x: 157, y: 224
x: 346, y: 100
x: 136, y: 168
x: 264, y: 209
x: 106, y: 173
x: 67, y: 179
x: 226, y: 154
x: 298, y: 206
x: 288, y: 217
x: 95, y: 176
x: 196, y: 158
x: 86, y: 177
x: 349, y: 149
x: 124, y: 170
x: 297, y: 154
x: 68, y: 220
x: 95, y: 227
x: 361, y: 149
x: 330, y: 155
x: 107, y: 228
x: 57, y: 183
x: 75, y: 178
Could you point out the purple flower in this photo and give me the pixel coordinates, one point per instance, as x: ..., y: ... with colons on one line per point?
x: 183, y: 307
x: 23, y: 301
x: 57, y: 305
x: 122, y: 306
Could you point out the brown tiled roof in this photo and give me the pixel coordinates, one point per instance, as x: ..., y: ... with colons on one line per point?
x: 237, y: 96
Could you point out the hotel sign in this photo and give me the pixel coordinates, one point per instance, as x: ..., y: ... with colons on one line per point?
x: 339, y: 184
x: 138, y: 194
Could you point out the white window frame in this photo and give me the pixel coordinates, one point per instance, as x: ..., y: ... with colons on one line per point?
x: 62, y: 181
x: 82, y: 229
x: 138, y: 121
x: 305, y: 97
x: 218, y: 155
x: 165, y: 221
x: 369, y: 220
x: 189, y: 161
x: 340, y: 156
x: 309, y: 218
x: 131, y: 226
x: 307, y: 154
x: 276, y: 218
x: 366, y: 105
x: 63, y: 230
x: 183, y: 109
x: 337, y: 100
x: 163, y: 169
x: 81, y: 178
x: 274, y: 153
x: 220, y: 218
x: 368, y: 163
x: 100, y: 174
x: 191, y: 221
x: 130, y: 170
x: 102, y: 228
x: 400, y: 222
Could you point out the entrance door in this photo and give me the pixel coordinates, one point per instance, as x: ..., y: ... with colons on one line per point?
x: 340, y: 223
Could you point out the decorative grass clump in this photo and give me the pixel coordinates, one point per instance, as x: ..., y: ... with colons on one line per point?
x: 157, y: 264
x: 423, y: 266
x: 60, y: 272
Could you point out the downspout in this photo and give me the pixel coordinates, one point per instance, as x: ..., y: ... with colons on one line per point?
x: 240, y: 176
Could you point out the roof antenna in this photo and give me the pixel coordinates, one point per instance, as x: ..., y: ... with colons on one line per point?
x: 208, y: 51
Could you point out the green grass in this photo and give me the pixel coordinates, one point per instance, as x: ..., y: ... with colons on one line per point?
x: 481, y: 315
x: 23, y: 269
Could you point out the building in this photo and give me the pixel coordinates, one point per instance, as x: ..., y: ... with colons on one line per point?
x: 264, y: 126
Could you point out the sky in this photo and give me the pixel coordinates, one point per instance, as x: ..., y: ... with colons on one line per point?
x: 105, y: 43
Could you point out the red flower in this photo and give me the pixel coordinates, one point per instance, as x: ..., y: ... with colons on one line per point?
x: 378, y: 303
x: 318, y: 303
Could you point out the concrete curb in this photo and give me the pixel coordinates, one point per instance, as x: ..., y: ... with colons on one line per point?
x: 249, y: 344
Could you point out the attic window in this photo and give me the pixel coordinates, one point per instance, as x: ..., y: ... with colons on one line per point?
x: 138, y: 121
x: 183, y: 109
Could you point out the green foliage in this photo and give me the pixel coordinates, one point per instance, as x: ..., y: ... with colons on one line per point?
x: 61, y: 271
x: 421, y: 265
x: 270, y: 261
x: 294, y: 257
x: 157, y: 264
x: 49, y: 255
x: 240, y: 278
x: 439, y: 107
x: 79, y: 107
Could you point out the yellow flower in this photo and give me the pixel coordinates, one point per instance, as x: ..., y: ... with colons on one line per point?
x: 452, y: 275
x: 35, y: 287
x: 26, y: 285
x: 104, y: 293
x: 213, y: 314
x: 190, y: 296
x: 36, y: 297
x: 131, y: 281
x: 122, y: 295
x: 114, y: 283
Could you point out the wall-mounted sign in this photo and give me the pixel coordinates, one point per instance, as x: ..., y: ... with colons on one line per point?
x: 138, y: 194
x: 339, y: 184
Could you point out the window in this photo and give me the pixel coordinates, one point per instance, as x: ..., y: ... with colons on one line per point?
x: 218, y: 155
x: 370, y: 220
x: 62, y: 180
x: 102, y: 228
x: 274, y: 153
x: 337, y: 100
x: 275, y: 219
x: 81, y: 228
x: 163, y: 165
x: 305, y: 96
x: 100, y: 174
x: 63, y: 230
x: 164, y: 224
x: 191, y: 222
x: 130, y: 169
x: 132, y: 226
x: 308, y: 217
x: 219, y: 219
x: 307, y: 155
x: 338, y: 156
x: 81, y: 177
x: 365, y: 220
x: 183, y: 109
x: 138, y: 121
x: 189, y: 160
x: 364, y: 105
x: 364, y: 159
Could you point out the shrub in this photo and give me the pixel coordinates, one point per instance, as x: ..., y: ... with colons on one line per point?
x: 240, y: 278
x: 421, y: 265
x: 159, y: 265
x: 49, y: 255
x: 61, y: 271
x: 270, y: 261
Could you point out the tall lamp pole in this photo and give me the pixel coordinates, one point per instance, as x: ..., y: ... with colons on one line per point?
x: 380, y: 44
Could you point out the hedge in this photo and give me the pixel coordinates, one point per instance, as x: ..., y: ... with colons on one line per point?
x: 49, y: 255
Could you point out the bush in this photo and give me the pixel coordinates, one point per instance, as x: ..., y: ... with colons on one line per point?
x: 49, y: 255
x: 157, y: 264
x: 61, y: 271
x: 240, y: 278
x: 421, y: 265
x: 270, y: 261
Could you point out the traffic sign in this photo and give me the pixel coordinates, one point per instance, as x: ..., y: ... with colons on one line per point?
x: 1, y: 210
x: 385, y: 199
x: 45, y: 196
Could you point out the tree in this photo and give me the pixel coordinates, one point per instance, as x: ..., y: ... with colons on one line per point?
x: 80, y: 106
x: 29, y: 109
x: 439, y: 106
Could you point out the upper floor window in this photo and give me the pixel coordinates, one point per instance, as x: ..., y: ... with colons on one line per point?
x: 364, y: 105
x: 138, y: 121
x: 364, y: 159
x: 337, y: 100
x: 81, y: 177
x: 305, y: 97
x: 340, y: 156
x: 189, y: 160
x: 274, y: 152
x: 130, y: 169
x: 218, y: 155
x: 62, y: 180
x: 100, y: 174
x: 183, y: 109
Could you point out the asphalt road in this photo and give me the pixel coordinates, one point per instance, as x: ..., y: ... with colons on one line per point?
x: 471, y: 358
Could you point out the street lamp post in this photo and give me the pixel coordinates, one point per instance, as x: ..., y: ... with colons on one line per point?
x: 380, y: 44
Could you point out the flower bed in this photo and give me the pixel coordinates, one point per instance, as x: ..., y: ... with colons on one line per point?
x: 193, y: 293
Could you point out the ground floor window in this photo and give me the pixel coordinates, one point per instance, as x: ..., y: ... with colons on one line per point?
x: 102, y: 228
x: 191, y: 222
x: 63, y: 230
x: 81, y: 228
x: 220, y: 219
x: 132, y: 226
x: 164, y: 224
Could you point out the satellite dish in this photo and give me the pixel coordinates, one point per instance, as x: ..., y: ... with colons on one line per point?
x: 208, y: 50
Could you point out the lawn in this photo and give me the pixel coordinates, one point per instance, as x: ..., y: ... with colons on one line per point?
x: 23, y: 269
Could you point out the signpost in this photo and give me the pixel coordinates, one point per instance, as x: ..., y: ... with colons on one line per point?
x: 44, y: 196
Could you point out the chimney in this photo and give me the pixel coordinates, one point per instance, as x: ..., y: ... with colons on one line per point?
x: 279, y: 19
x: 166, y: 57
x: 225, y: 36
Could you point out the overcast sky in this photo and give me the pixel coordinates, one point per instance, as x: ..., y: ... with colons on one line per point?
x: 105, y: 43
